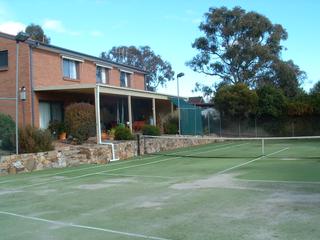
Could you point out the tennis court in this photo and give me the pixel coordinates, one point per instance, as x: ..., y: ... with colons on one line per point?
x: 226, y: 190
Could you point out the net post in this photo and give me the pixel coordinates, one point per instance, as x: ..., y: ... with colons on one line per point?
x: 262, y: 146
x: 138, y: 145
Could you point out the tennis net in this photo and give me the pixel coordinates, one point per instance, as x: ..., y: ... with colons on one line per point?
x: 289, y: 148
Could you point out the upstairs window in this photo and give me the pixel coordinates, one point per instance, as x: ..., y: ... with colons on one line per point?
x: 70, y: 69
x: 102, y: 75
x: 125, y: 79
x: 4, y: 59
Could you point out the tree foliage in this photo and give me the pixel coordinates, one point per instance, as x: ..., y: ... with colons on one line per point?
x: 236, y: 101
x: 271, y: 103
x: 286, y: 76
x: 316, y: 88
x: 159, y: 70
x: 237, y: 46
x: 36, y: 33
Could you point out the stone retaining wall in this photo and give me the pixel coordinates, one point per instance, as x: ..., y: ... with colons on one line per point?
x: 152, y: 145
x: 73, y: 155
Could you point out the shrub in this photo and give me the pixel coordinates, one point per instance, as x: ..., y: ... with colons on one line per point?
x: 57, y: 127
x: 7, y: 132
x: 122, y: 133
x: 80, y: 121
x: 7, y: 125
x: 171, y: 128
x: 171, y: 124
x: 150, y: 130
x: 33, y: 140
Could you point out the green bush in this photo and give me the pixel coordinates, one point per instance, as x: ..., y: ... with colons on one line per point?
x: 7, y: 125
x: 122, y: 133
x: 57, y: 127
x: 150, y: 130
x: 171, y: 125
x: 80, y: 121
x: 7, y: 132
x: 33, y: 140
x: 171, y: 128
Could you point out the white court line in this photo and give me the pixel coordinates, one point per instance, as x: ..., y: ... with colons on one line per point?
x: 121, y: 168
x: 142, y: 176
x: 251, y: 161
x: 275, y: 181
x: 83, y: 226
x: 7, y: 181
x: 103, y: 165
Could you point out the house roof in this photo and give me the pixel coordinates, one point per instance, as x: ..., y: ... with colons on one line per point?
x: 61, y: 50
x: 195, y: 100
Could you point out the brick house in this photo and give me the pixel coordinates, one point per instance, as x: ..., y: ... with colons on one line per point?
x: 55, y: 77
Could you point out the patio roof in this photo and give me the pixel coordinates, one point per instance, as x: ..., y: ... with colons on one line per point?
x: 104, y: 89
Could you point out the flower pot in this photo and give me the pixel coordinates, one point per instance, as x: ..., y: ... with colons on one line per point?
x: 104, y: 136
x: 63, y: 136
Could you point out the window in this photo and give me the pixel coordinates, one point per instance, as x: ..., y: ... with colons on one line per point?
x: 124, y: 79
x: 50, y: 111
x: 102, y: 75
x: 3, y: 59
x: 70, y: 69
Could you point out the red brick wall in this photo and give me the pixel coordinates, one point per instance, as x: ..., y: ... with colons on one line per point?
x: 47, y: 71
x: 138, y: 81
x: 8, y: 80
x: 114, y: 77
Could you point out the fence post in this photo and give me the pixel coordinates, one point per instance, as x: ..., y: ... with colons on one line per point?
x: 255, y: 126
x: 292, y: 129
x: 220, y: 125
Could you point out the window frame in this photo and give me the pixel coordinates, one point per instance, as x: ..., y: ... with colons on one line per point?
x: 5, y: 67
x: 76, y: 61
x: 51, y: 103
x: 106, y: 73
x: 128, y: 78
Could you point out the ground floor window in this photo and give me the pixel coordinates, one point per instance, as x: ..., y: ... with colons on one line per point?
x: 50, y: 111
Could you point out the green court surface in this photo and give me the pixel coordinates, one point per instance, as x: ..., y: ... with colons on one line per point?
x: 226, y: 190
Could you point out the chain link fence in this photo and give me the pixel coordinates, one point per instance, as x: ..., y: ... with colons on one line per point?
x: 217, y: 124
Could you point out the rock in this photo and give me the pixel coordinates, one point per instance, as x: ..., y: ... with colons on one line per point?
x: 18, y: 165
x: 61, y: 160
x: 12, y: 170
x: 30, y: 164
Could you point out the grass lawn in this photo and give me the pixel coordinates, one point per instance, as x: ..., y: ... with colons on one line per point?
x: 238, y: 194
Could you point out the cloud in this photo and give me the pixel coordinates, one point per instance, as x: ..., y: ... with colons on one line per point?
x: 54, y: 25
x: 96, y: 33
x: 12, y: 27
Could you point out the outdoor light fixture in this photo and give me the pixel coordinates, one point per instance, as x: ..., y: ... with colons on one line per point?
x: 179, y: 76
x: 20, y: 37
x: 23, y: 93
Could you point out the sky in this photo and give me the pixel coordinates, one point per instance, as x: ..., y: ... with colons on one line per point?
x: 168, y: 26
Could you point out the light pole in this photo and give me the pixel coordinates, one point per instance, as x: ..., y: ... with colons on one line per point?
x: 20, y: 37
x: 179, y: 76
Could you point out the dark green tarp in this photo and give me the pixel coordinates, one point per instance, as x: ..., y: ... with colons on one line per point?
x: 190, y: 117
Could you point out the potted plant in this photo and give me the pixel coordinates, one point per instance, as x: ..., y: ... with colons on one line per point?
x: 111, y: 133
x: 54, y: 128
x: 62, y: 131
x: 104, y: 135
